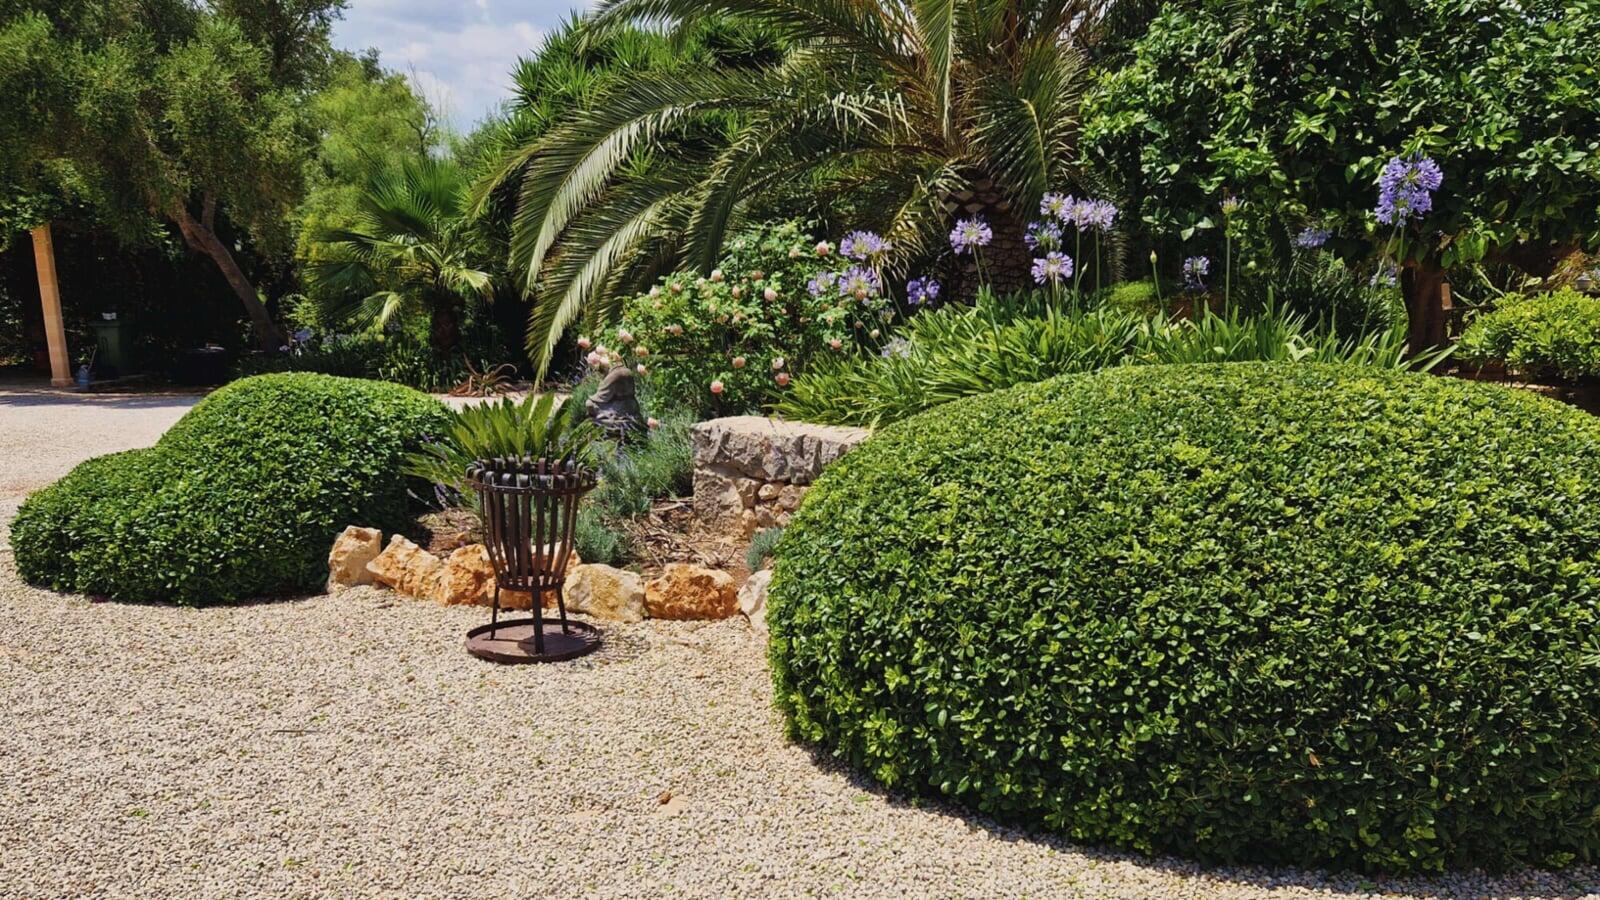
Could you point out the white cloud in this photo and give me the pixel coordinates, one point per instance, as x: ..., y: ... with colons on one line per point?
x: 459, y: 55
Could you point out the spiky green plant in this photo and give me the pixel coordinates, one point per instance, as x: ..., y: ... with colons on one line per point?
x: 918, y: 103
x: 411, y: 253
x: 539, y: 426
x: 961, y: 352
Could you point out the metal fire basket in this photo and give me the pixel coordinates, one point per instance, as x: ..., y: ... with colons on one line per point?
x: 529, y: 509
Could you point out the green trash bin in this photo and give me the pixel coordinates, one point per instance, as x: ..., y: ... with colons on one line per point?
x: 114, y: 353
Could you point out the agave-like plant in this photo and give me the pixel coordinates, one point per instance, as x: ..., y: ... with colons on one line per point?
x: 932, y: 108
x: 539, y: 426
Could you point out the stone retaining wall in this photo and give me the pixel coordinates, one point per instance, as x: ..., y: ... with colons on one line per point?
x: 751, y: 472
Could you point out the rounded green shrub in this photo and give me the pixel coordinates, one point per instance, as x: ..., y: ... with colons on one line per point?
x: 1307, y: 614
x: 240, y: 499
x: 1556, y: 333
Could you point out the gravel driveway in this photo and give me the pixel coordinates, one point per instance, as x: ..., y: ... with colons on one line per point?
x: 348, y: 747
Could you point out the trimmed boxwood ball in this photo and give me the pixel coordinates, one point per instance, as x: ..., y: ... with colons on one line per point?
x: 240, y: 499
x: 1301, y: 614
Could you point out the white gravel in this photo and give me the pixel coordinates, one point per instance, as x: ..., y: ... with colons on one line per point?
x: 348, y: 746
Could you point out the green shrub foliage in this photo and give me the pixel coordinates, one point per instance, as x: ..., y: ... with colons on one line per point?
x: 240, y: 499
x: 1316, y: 614
x: 1544, y: 334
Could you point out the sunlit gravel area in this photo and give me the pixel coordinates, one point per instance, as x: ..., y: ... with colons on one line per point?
x: 347, y: 746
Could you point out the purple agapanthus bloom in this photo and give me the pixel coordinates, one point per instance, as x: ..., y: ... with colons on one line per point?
x: 970, y: 234
x: 1100, y: 215
x: 1042, y: 236
x: 1312, y: 237
x: 1195, y: 270
x: 1405, y: 189
x: 1054, y: 205
x: 1052, y: 268
x: 921, y: 291
x: 822, y: 283
x: 1387, y: 275
x: 863, y: 245
x: 860, y: 283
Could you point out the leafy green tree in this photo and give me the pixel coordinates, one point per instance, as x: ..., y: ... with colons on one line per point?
x: 163, y: 110
x: 927, y: 106
x: 368, y: 122
x: 1295, y: 107
x: 411, y: 253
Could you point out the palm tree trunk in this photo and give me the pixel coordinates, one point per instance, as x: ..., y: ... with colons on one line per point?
x: 444, y: 325
x: 201, y: 238
x: 1006, y: 261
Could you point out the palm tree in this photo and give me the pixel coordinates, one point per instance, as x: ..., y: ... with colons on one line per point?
x: 411, y: 252
x: 932, y: 108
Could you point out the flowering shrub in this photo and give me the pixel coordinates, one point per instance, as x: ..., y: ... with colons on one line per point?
x: 732, y: 341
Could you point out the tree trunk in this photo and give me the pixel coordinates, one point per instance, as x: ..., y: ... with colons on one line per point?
x: 202, y: 239
x: 1007, y: 259
x: 444, y: 325
x: 1422, y: 284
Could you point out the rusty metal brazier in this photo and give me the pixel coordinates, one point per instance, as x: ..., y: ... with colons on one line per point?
x: 529, y: 509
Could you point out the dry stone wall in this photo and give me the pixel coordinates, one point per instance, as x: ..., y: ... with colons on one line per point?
x: 751, y: 472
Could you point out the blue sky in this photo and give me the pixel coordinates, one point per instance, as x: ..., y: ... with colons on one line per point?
x: 458, y: 52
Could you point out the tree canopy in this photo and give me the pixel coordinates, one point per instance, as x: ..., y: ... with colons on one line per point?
x: 1295, y: 106
x: 164, y: 110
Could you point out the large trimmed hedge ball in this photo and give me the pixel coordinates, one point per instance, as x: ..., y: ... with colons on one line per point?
x: 1301, y: 614
x: 240, y: 499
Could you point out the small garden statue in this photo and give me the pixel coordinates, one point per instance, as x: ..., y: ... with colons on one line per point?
x: 615, y: 406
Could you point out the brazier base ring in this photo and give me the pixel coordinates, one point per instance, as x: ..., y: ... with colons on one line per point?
x: 511, y: 641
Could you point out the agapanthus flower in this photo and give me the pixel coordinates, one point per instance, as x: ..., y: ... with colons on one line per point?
x: 1077, y: 212
x: 863, y: 245
x: 1387, y: 275
x: 1195, y: 270
x: 1053, y: 267
x: 1231, y: 204
x: 1042, y: 236
x: 896, y: 347
x: 1100, y: 215
x: 859, y: 282
x: 822, y: 283
x: 1312, y: 237
x: 1405, y: 189
x: 1054, y: 205
x: 921, y: 291
x: 970, y: 234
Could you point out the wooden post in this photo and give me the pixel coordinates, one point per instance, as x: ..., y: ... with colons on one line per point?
x: 55, y: 330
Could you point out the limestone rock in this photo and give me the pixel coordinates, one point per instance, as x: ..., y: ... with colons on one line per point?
x: 753, y: 599
x: 468, y: 578
x: 352, y: 550
x: 769, y: 491
x: 605, y: 593
x: 409, y: 570
x: 771, y: 449
x: 691, y: 592
x: 717, y: 498
x: 790, y: 496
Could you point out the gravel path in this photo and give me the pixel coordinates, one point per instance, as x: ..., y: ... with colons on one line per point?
x: 347, y: 747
